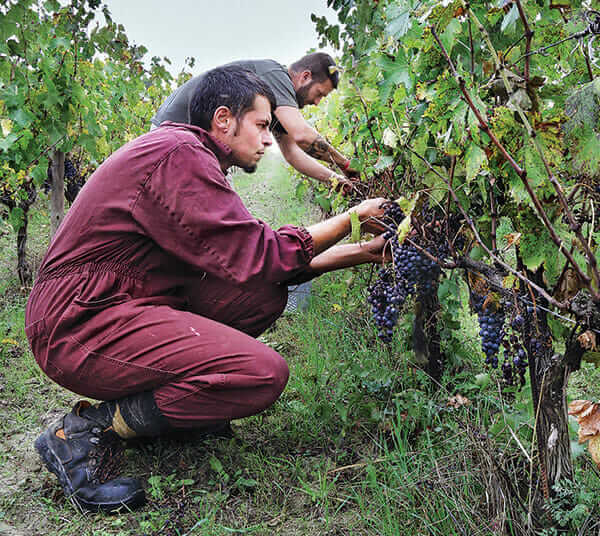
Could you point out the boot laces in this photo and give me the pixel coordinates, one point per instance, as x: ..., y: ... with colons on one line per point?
x: 107, y: 458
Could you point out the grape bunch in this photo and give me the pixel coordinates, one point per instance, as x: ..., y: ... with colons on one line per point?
x: 386, y: 300
x: 73, y: 180
x: 513, y: 349
x: 411, y: 271
x: 491, y: 324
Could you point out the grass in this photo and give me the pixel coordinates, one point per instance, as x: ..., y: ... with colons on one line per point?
x: 360, y: 443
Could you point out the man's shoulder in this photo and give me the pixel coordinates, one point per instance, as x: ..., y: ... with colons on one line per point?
x: 259, y: 66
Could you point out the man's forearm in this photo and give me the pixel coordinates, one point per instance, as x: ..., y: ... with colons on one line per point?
x: 302, y: 162
x: 329, y: 232
x: 320, y: 149
x: 343, y: 256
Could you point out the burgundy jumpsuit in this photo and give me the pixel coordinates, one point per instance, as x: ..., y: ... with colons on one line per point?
x: 159, y: 279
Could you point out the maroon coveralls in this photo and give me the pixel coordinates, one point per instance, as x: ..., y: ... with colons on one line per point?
x: 159, y: 279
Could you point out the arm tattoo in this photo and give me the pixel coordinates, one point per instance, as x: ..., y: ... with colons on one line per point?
x: 320, y: 149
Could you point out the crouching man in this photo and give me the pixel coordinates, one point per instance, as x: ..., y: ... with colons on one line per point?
x: 158, y: 281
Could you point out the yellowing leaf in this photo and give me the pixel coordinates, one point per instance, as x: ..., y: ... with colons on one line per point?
x: 355, y: 226
x: 407, y: 205
x: 6, y: 125
x: 336, y: 307
x: 475, y: 158
x: 512, y: 239
x: 403, y: 229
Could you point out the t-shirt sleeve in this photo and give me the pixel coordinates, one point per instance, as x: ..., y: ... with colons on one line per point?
x: 281, y: 85
x: 176, y: 106
x: 187, y: 207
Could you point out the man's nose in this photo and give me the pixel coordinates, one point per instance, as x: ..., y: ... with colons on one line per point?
x: 267, y: 139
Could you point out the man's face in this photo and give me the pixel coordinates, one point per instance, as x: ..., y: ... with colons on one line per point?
x: 311, y: 92
x: 250, y: 135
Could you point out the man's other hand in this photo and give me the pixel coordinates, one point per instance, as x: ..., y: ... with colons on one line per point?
x: 369, y: 212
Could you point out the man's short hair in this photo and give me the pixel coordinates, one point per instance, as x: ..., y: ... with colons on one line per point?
x: 229, y: 86
x: 321, y: 65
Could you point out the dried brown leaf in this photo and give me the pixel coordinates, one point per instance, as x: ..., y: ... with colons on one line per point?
x: 512, y: 239
x: 587, y: 414
x: 587, y: 340
x: 594, y: 449
x: 458, y: 401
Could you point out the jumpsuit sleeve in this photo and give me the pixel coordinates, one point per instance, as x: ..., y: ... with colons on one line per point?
x: 187, y: 207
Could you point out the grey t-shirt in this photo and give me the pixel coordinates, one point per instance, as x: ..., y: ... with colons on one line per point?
x: 176, y: 106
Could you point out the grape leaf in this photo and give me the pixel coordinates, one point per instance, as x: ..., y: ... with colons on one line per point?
x: 399, y: 21
x: 475, y: 158
x: 448, y: 38
x: 510, y: 19
x: 355, y: 226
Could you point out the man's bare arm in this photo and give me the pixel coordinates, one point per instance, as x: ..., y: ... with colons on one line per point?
x: 304, y: 163
x: 308, y: 139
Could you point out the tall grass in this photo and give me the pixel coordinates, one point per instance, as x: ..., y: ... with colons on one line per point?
x: 361, y: 442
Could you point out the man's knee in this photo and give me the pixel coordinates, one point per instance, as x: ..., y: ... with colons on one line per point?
x: 280, y: 374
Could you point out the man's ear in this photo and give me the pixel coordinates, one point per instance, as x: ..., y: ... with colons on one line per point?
x: 305, y: 76
x: 222, y: 119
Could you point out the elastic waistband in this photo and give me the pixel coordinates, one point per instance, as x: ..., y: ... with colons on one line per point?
x: 118, y: 268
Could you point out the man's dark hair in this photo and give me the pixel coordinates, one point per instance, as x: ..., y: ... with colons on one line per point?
x: 321, y: 65
x: 229, y: 86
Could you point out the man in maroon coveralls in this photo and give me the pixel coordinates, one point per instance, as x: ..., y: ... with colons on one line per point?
x: 158, y: 281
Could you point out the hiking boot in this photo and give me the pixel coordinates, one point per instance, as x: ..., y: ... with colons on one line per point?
x: 84, y: 453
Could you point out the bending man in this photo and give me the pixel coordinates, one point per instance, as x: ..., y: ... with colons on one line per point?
x: 304, y: 82
x: 158, y: 281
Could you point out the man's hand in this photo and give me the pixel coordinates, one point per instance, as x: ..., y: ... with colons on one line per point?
x: 369, y: 211
x: 351, y: 173
x: 378, y: 249
x: 342, y: 184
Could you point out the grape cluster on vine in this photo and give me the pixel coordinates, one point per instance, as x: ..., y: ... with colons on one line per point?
x: 494, y: 336
x: 73, y: 180
x: 491, y: 326
x: 411, y: 271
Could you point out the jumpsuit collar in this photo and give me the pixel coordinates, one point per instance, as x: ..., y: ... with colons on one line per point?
x: 220, y: 149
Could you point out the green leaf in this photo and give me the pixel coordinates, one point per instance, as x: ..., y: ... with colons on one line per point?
x: 532, y: 251
x: 395, y: 71
x: 475, y: 158
x: 355, y: 226
x: 384, y: 162
x: 40, y: 172
x: 536, y: 171
x: 16, y: 218
x: 52, y: 5
x: 510, y: 19
x: 7, y: 142
x: 448, y: 38
x: 324, y: 202
x: 301, y: 189
x: 216, y: 464
x: 399, y: 18
x: 22, y: 117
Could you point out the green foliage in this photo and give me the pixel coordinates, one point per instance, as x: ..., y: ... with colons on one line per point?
x: 406, y: 109
x: 69, y: 83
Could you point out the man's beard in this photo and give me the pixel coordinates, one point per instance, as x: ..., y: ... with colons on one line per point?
x: 248, y: 168
x: 302, y: 95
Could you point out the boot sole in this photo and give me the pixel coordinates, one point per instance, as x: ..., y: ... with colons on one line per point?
x: 53, y: 464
